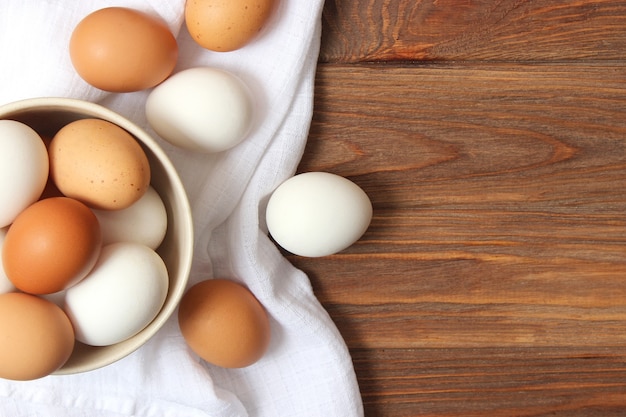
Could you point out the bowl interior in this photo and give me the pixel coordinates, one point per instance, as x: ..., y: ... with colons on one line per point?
x: 47, y: 116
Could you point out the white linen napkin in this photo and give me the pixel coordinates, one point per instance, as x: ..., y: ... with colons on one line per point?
x: 307, y: 370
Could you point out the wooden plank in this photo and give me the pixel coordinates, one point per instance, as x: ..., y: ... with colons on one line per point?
x: 492, y: 279
x: 493, y: 382
x: 482, y: 30
x: 499, y: 204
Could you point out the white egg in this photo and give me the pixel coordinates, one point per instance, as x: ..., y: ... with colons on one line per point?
x: 145, y: 222
x: 5, y: 284
x: 120, y: 296
x: 318, y: 214
x: 23, y: 168
x: 202, y: 109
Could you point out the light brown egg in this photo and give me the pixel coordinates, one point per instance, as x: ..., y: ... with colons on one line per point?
x: 37, y: 337
x: 51, y: 245
x: 226, y: 25
x: 224, y: 324
x: 120, y: 49
x: 99, y: 163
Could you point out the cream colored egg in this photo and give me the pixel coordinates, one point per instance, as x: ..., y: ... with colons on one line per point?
x: 121, y: 295
x: 202, y: 109
x: 143, y: 222
x: 318, y: 214
x: 23, y: 168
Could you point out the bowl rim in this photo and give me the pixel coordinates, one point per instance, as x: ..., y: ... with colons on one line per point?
x: 91, y: 109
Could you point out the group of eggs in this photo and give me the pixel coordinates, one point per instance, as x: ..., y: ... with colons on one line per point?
x: 203, y: 109
x: 122, y: 50
x: 79, y: 228
x: 312, y: 214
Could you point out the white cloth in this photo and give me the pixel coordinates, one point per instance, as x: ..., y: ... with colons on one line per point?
x: 307, y: 370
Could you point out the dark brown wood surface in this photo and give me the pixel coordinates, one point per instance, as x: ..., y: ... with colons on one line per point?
x: 491, y: 139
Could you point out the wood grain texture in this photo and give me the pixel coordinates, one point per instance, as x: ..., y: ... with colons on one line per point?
x: 499, y: 210
x: 493, y: 382
x: 491, y: 139
x: 504, y: 30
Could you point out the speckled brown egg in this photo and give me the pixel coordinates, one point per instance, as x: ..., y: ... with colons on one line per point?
x: 99, y: 164
x: 121, y: 49
x: 226, y: 25
x: 37, y: 337
x: 224, y: 324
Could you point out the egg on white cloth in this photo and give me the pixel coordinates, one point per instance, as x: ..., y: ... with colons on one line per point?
x: 202, y: 109
x: 120, y: 296
x: 24, y: 168
x: 318, y: 214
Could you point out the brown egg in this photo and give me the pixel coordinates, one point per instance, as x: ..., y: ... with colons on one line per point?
x: 51, y: 245
x: 224, y: 324
x: 99, y: 163
x: 120, y: 49
x: 226, y: 25
x: 37, y: 337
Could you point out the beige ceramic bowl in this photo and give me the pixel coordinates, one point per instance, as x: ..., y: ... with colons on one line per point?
x: 47, y: 115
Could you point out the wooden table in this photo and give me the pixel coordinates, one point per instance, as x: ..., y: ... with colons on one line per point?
x: 491, y: 139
